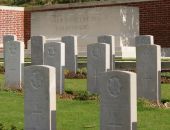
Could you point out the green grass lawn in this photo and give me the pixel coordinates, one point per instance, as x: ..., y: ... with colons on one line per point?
x: 81, y: 115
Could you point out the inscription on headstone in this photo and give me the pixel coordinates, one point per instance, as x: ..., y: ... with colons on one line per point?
x: 114, y: 86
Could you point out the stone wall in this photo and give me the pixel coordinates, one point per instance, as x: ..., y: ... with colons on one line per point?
x: 154, y: 16
x: 88, y: 24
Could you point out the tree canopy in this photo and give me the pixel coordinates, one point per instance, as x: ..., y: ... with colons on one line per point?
x: 39, y: 2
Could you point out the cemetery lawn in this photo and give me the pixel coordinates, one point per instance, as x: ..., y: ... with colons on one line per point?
x: 82, y: 115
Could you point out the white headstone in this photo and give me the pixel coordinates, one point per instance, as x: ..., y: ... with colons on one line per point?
x: 111, y: 41
x: 37, y: 50
x: 98, y: 60
x: 54, y: 55
x: 40, y: 98
x: 144, y: 39
x: 14, y: 63
x: 7, y: 38
x: 71, y: 52
x: 148, y: 66
x: 118, y: 100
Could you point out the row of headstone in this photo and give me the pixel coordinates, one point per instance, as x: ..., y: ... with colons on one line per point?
x: 61, y: 55
x: 148, y: 64
x: 118, y: 89
x: 41, y: 81
x: 70, y: 57
x: 118, y: 99
x: 52, y: 53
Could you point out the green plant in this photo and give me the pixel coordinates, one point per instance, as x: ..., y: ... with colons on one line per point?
x: 66, y: 71
x: 70, y: 75
x: 82, y: 96
x: 69, y: 91
x: 13, y: 127
x: 80, y: 74
x: 166, y: 74
x: 84, y: 70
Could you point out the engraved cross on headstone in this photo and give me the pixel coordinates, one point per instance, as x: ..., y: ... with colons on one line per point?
x: 51, y: 51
